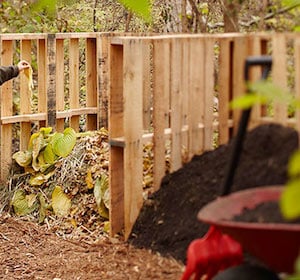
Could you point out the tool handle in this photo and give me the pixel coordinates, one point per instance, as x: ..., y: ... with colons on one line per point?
x: 266, y: 63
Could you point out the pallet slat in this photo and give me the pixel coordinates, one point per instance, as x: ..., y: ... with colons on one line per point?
x: 161, y: 75
x: 60, y: 94
x: 133, y: 127
x: 74, y: 80
x: 176, y: 103
x: 279, y: 74
x: 6, y: 110
x: 91, y: 82
x: 25, y: 96
x: 116, y: 129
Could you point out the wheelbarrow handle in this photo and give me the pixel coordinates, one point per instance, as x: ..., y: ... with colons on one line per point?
x: 266, y: 62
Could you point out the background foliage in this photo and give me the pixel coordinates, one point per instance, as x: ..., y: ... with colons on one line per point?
x: 167, y: 15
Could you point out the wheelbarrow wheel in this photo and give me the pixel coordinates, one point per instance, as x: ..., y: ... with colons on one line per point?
x: 246, y: 272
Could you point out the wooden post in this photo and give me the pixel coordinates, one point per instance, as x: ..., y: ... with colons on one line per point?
x: 116, y: 130
x: 6, y: 110
x: 51, y: 84
x: 133, y: 129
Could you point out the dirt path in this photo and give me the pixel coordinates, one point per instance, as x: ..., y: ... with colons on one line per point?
x: 28, y: 251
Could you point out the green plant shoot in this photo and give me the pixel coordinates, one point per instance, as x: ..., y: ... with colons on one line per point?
x: 289, y: 201
x: 141, y: 8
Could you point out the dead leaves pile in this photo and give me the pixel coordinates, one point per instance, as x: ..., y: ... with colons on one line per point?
x: 74, y: 201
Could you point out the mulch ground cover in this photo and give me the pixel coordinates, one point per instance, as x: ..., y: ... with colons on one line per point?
x: 168, y: 220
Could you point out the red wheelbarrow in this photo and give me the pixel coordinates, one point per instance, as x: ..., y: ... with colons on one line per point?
x: 275, y: 244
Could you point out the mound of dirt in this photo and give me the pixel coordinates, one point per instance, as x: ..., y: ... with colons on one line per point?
x: 168, y: 220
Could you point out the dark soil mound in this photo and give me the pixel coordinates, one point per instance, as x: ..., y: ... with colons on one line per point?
x: 168, y: 220
x: 267, y: 212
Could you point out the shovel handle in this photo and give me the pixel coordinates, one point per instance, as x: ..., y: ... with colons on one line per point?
x: 266, y: 62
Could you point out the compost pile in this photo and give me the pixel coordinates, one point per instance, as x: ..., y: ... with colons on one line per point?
x: 72, y: 199
x: 168, y: 220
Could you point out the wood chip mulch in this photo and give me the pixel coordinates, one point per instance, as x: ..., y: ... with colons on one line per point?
x: 29, y: 251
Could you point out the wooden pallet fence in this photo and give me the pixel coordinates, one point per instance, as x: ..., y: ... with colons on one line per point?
x: 146, y: 89
x: 181, y: 78
x: 67, y: 77
x: 186, y: 73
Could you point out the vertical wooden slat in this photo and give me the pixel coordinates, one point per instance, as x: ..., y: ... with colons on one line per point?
x: 161, y: 76
x: 133, y: 129
x: 60, y: 96
x: 42, y: 78
x: 297, y: 81
x: 74, y: 80
x: 147, y: 100
x: 6, y: 110
x: 103, y: 77
x: 225, y: 87
x: 196, y: 96
x: 185, y: 96
x: 176, y: 103
x: 91, y: 82
x: 279, y: 74
x: 116, y: 129
x: 238, y: 88
x: 25, y: 96
x: 51, y: 83
x: 209, y: 93
x: 255, y: 48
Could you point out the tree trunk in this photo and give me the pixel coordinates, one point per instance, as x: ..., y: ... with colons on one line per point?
x: 231, y: 15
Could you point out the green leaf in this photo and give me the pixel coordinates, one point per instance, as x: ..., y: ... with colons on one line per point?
x: 297, y: 266
x: 141, y: 8
x: 46, y: 130
x: 63, y: 144
x: 43, y: 208
x: 101, y: 193
x: 38, y: 144
x: 38, y: 179
x: 23, y: 204
x: 271, y: 91
x: 23, y: 158
x: 262, y: 92
x: 289, y: 200
x: 61, y: 203
x: 294, y: 164
x: 291, y: 3
x: 49, y: 155
x: 46, y: 5
x: 246, y: 101
x: 32, y: 138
